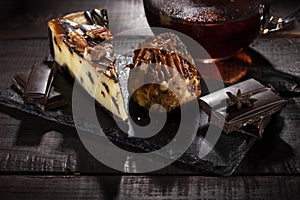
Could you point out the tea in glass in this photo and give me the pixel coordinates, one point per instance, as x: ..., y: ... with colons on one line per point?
x: 222, y: 27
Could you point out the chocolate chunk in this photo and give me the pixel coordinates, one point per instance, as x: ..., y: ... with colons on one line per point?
x: 100, y: 16
x: 168, y: 42
x: 88, y: 17
x: 250, y: 119
x: 53, y: 101
x: 20, y: 82
x: 39, y: 81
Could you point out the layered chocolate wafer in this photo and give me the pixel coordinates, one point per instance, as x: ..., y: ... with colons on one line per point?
x: 39, y: 82
x: 53, y: 100
x: 20, y: 81
x: 244, y: 107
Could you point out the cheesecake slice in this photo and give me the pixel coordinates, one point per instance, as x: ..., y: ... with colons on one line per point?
x: 80, y: 42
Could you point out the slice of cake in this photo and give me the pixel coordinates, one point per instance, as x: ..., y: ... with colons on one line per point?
x: 163, y: 73
x: 81, y: 43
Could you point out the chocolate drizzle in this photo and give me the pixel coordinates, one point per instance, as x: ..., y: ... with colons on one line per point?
x: 97, y: 16
x: 89, y: 32
x: 161, y: 58
x: 100, y: 16
x: 88, y: 17
x: 167, y: 52
x: 160, y: 65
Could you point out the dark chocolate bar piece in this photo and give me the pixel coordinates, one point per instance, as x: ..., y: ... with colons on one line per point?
x: 255, y: 105
x: 53, y: 101
x: 19, y: 81
x: 39, y: 81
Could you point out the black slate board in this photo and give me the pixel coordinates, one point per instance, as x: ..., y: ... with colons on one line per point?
x: 223, y: 159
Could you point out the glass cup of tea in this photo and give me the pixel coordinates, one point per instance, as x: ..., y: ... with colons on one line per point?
x: 222, y: 27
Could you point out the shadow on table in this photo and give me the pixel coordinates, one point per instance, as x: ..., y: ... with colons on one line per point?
x: 262, y: 70
x: 269, y: 153
x: 110, y: 186
x: 52, y: 142
x: 271, y: 148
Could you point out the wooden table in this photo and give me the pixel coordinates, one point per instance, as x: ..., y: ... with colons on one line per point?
x: 38, y: 161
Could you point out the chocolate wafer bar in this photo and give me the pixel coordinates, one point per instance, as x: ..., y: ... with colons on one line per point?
x: 53, y: 101
x: 39, y: 82
x: 244, y: 107
x: 19, y: 81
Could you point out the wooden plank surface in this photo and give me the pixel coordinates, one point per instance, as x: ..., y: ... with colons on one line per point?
x: 148, y: 187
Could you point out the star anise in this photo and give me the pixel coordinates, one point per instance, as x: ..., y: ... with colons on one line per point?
x: 239, y: 100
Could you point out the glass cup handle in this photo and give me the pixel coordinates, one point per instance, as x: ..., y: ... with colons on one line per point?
x: 274, y: 23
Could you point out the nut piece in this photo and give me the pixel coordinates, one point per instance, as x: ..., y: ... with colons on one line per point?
x: 78, y: 41
x: 100, y: 33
